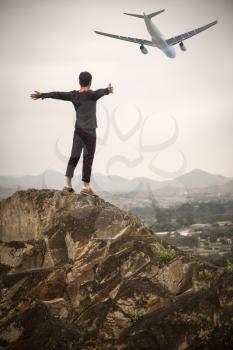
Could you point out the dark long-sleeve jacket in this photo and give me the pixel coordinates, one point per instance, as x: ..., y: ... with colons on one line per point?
x: 84, y: 104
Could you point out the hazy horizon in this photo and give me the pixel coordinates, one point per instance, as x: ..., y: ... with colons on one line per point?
x: 166, y: 116
x: 94, y: 172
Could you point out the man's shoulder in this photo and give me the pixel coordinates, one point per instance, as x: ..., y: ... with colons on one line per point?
x: 73, y: 92
x: 87, y: 95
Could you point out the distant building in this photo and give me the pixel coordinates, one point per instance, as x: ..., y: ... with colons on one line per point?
x: 206, y: 247
x: 225, y: 223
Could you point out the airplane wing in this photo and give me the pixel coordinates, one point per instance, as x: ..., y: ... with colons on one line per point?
x: 177, y: 39
x: 132, y: 40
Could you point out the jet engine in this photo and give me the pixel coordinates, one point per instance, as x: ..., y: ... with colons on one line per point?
x: 182, y: 46
x: 143, y: 49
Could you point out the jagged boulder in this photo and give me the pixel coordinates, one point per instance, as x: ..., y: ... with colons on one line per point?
x: 79, y: 273
x: 23, y: 255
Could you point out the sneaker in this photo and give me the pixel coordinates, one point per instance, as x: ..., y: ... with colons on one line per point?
x: 87, y: 191
x: 68, y: 189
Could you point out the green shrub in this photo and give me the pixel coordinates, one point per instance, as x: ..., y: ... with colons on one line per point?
x: 229, y: 266
x: 166, y: 254
x: 135, y: 316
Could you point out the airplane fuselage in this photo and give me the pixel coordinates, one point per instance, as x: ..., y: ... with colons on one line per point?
x: 158, y: 39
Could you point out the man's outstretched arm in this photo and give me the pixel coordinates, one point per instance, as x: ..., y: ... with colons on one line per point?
x: 59, y: 95
x: 101, y: 92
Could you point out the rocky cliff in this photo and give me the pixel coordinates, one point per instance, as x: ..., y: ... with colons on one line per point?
x: 78, y: 273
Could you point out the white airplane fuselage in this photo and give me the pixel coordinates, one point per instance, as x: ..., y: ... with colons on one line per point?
x: 158, y: 39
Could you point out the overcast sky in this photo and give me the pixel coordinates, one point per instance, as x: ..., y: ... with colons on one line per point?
x: 166, y: 116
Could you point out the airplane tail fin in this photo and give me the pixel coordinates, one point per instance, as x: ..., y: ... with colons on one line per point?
x: 132, y: 14
x: 142, y: 16
x: 155, y: 13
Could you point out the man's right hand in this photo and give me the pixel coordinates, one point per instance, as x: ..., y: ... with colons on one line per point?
x: 36, y: 95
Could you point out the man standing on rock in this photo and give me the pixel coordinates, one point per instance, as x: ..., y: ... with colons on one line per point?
x: 84, y: 137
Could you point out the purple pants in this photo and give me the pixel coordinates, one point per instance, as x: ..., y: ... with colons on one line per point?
x: 82, y: 139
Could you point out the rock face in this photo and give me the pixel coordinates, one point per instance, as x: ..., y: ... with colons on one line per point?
x: 79, y: 273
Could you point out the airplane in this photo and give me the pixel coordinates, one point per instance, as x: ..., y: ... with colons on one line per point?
x: 158, y: 40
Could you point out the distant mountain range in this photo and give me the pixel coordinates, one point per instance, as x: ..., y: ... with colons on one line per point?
x: 195, y: 179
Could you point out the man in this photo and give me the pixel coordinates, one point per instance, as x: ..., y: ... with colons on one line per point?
x: 84, y: 137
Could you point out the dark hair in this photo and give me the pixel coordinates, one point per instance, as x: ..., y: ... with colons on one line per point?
x: 85, y: 78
